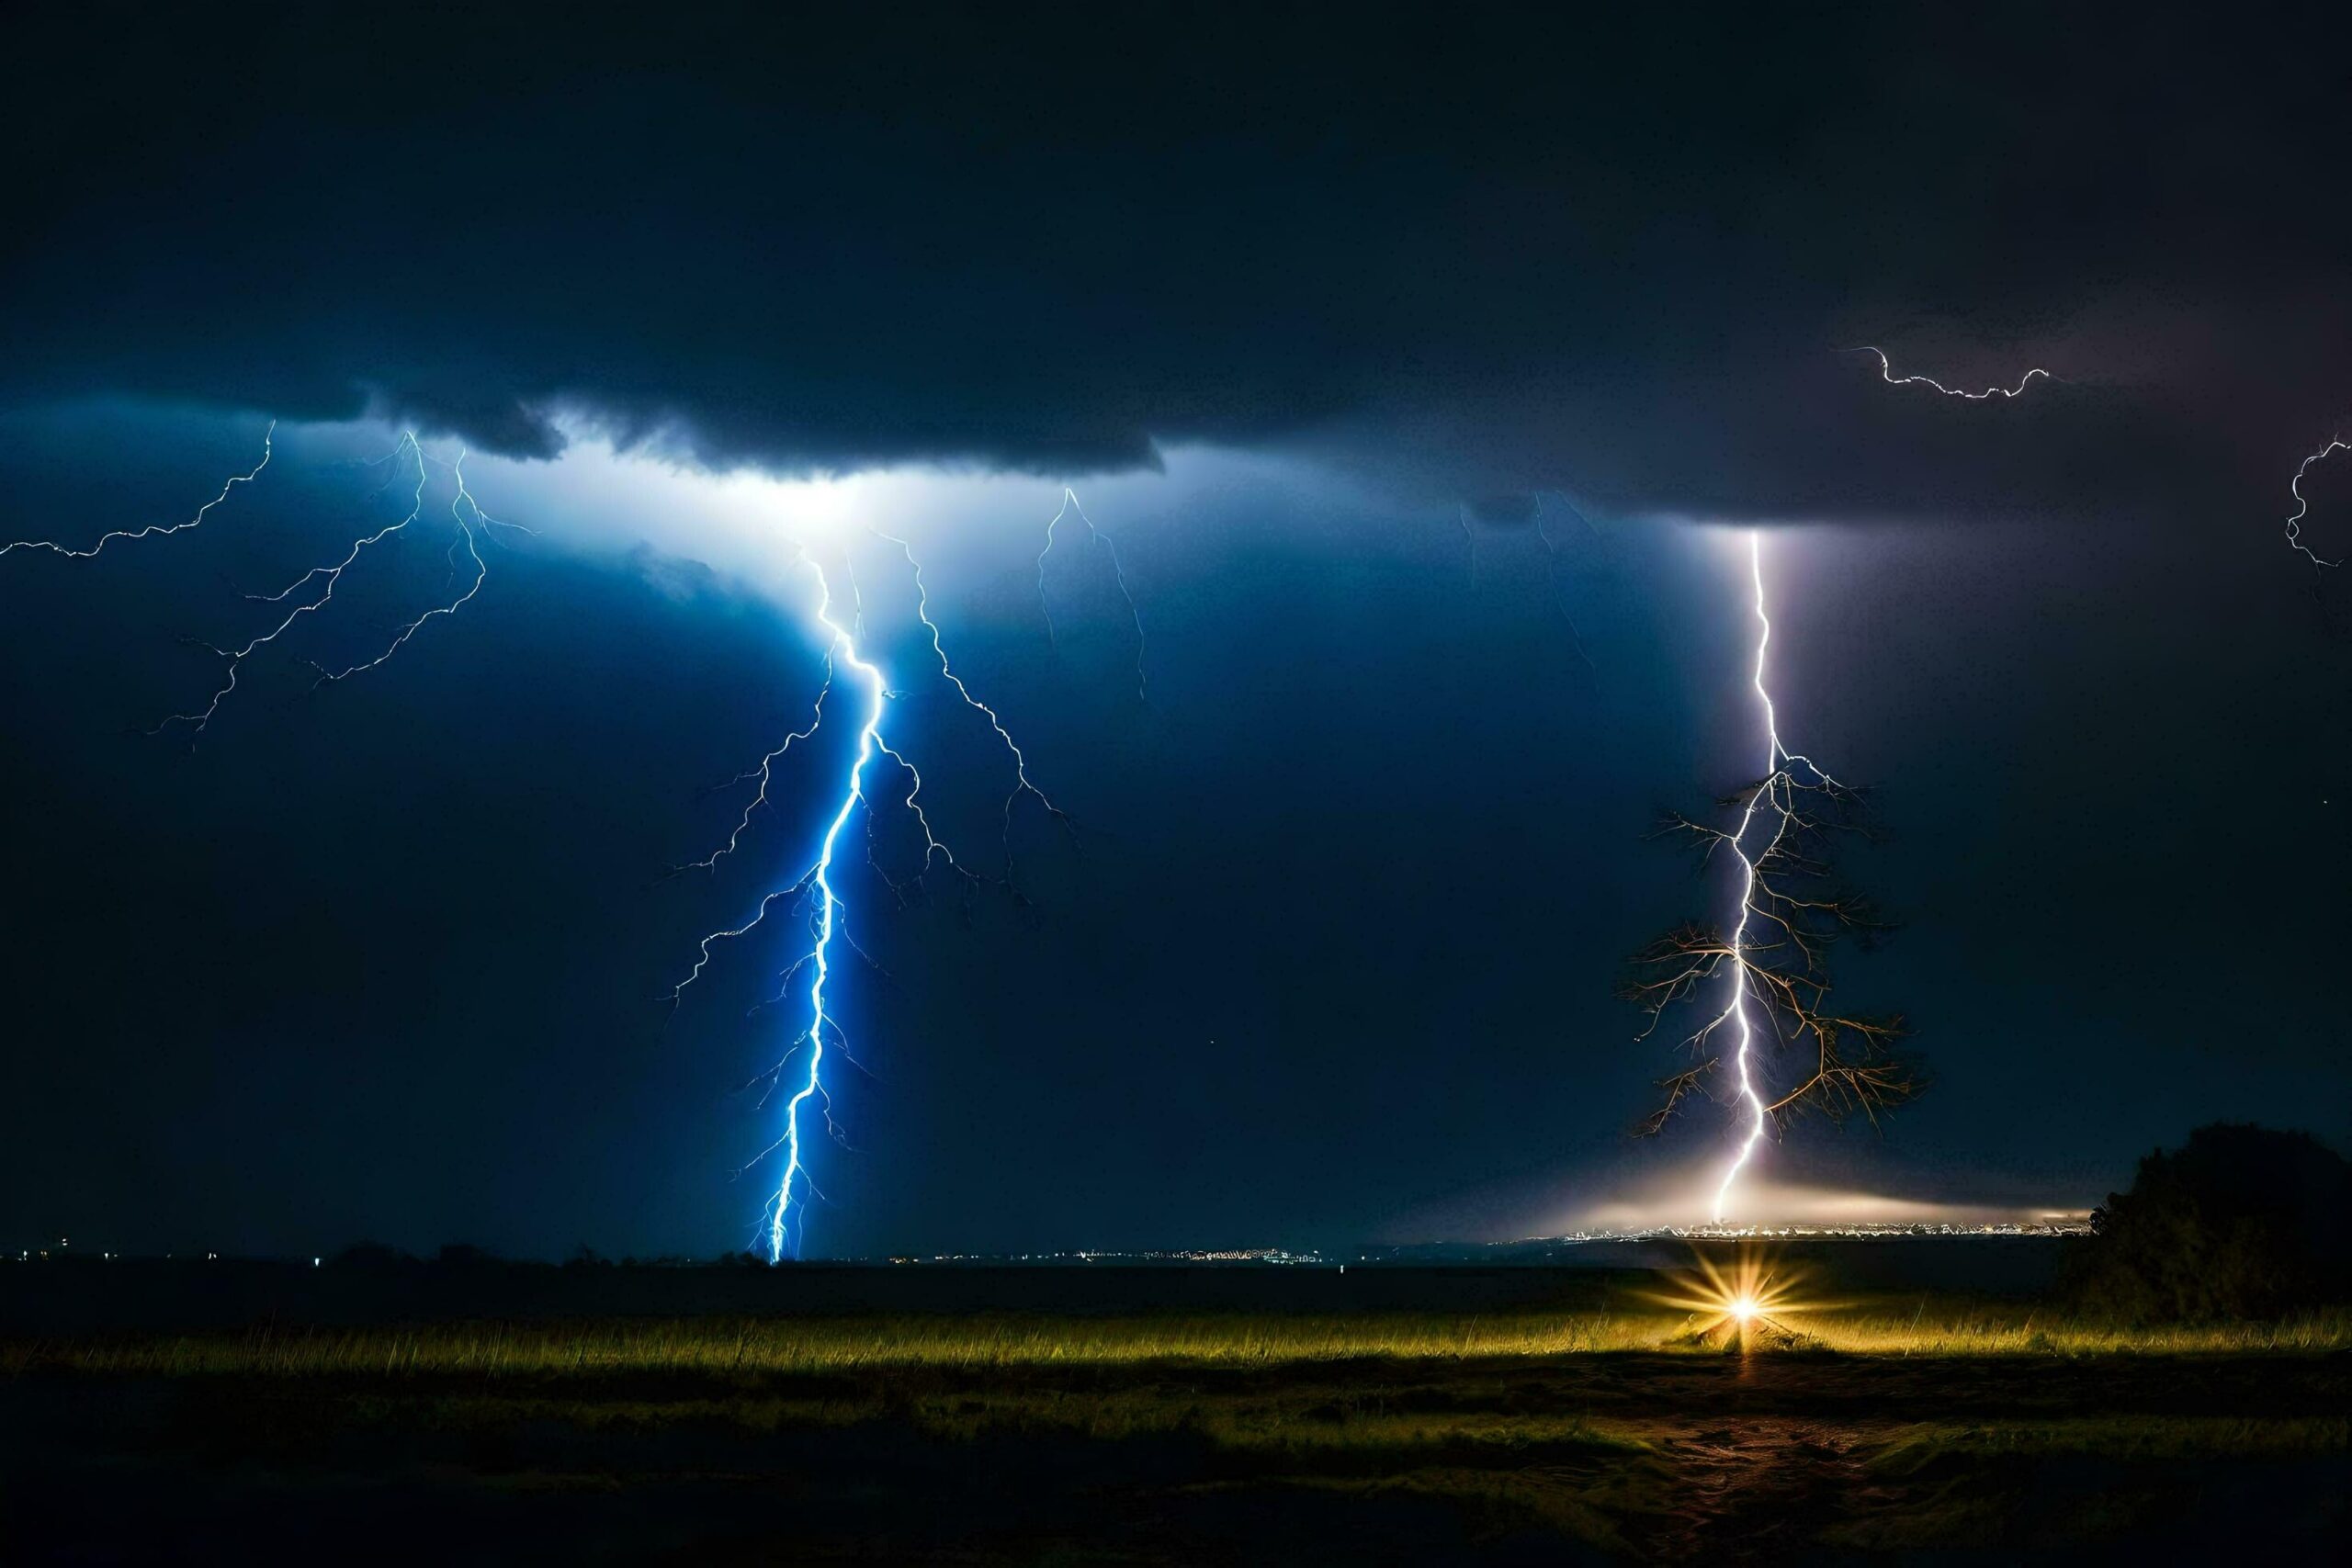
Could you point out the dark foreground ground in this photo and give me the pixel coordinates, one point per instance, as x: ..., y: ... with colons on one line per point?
x: 1560, y: 1420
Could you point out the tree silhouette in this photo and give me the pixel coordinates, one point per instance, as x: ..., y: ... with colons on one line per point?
x: 1785, y: 832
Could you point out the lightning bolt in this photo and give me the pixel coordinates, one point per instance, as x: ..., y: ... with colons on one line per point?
x: 782, y: 1219
x: 1750, y: 1101
x: 1768, y: 816
x: 315, y: 589
x: 2303, y: 507
x: 154, y: 530
x: 1886, y: 374
x: 869, y: 736
x: 1118, y: 575
x: 1552, y: 559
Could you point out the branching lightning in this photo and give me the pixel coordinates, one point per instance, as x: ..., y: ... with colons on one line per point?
x: 847, y: 666
x: 1777, y: 779
x: 1118, y: 575
x: 2303, y: 507
x: 817, y: 884
x: 1887, y: 373
x: 1774, y: 952
x: 154, y: 530
x: 315, y: 589
x: 828, y: 906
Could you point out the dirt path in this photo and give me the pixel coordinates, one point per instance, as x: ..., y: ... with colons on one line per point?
x: 1758, y: 1489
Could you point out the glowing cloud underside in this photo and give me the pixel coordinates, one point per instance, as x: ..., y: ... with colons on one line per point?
x: 411, y: 467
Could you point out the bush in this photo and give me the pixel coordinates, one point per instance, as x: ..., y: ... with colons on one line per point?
x: 2240, y: 1222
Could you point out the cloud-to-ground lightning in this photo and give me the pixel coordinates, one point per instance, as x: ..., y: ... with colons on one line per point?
x: 1118, y: 575
x: 827, y: 906
x: 154, y: 530
x: 1788, y: 914
x: 1887, y: 373
x: 1776, y: 757
x: 2302, y: 506
x: 782, y: 1219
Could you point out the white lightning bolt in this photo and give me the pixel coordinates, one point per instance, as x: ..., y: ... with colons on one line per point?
x: 321, y: 582
x: 2303, y: 507
x: 1776, y: 795
x: 1021, y: 781
x: 1119, y: 573
x: 467, y: 520
x: 1552, y: 558
x: 154, y: 530
x: 1887, y: 373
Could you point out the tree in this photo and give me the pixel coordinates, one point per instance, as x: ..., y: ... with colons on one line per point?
x: 1772, y: 966
x: 2240, y: 1221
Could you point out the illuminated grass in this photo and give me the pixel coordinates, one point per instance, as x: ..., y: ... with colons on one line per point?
x: 819, y: 1346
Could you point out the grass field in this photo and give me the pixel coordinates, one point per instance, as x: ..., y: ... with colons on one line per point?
x: 1881, y: 1429
x: 1931, y: 1328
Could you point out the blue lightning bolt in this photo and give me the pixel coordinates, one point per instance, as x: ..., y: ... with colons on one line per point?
x: 783, y: 1220
x: 869, y: 736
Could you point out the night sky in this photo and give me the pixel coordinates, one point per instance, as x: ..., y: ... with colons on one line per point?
x: 1426, y: 369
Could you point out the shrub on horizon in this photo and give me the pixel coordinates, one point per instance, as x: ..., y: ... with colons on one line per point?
x: 2240, y: 1221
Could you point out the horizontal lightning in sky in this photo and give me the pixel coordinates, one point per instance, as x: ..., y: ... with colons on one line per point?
x: 154, y: 530
x: 1887, y: 373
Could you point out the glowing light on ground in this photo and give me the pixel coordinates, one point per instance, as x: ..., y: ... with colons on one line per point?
x: 1740, y: 1303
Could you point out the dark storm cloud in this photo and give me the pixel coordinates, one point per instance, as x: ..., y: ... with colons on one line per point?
x: 1481, y: 251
